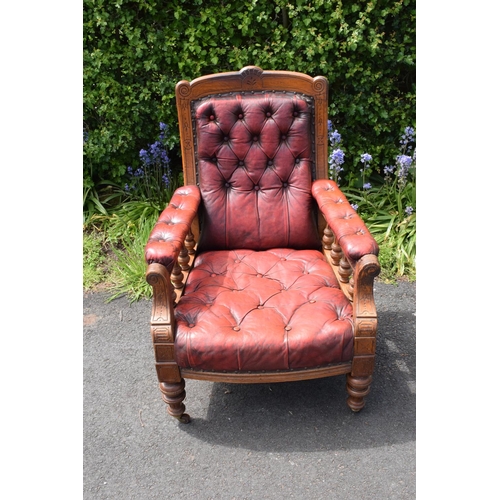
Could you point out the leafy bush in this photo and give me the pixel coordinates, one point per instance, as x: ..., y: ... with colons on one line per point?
x: 135, y: 51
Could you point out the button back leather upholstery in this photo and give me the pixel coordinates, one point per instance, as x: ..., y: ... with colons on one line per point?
x: 254, y: 163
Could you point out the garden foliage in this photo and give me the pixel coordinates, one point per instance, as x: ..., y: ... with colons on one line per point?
x: 135, y: 51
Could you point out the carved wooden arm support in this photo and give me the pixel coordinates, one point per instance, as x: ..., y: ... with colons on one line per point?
x: 167, y: 253
x: 163, y: 323
x: 365, y: 314
x: 353, y: 254
x: 162, y: 315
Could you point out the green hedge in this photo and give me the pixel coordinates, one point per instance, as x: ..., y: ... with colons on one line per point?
x: 135, y: 52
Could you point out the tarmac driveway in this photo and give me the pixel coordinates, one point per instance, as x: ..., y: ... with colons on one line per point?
x: 271, y: 441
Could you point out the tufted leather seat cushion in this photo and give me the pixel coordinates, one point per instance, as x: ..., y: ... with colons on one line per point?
x: 255, y: 164
x: 279, y: 309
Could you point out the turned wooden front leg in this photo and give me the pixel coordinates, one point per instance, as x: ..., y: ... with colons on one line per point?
x: 173, y: 395
x: 357, y: 388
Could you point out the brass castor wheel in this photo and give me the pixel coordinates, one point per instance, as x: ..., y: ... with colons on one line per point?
x: 184, y: 418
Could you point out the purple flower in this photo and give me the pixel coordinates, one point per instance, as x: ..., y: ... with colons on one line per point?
x: 409, y: 210
x: 367, y: 185
x: 330, y: 126
x: 335, y: 137
x: 404, y: 161
x: 353, y: 205
x: 153, y: 175
x: 335, y: 161
x: 337, y: 157
x: 365, y: 158
x: 406, y: 139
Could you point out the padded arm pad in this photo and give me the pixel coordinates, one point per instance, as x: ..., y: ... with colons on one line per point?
x: 350, y: 231
x: 168, y: 235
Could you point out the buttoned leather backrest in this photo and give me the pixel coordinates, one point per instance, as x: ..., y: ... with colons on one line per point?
x: 255, y: 160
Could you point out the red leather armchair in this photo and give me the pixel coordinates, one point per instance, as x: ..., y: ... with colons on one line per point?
x: 261, y: 270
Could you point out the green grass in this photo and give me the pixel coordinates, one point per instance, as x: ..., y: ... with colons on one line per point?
x: 113, y: 257
x: 129, y: 267
x: 94, y: 260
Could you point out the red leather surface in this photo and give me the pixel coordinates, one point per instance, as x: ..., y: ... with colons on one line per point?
x: 269, y: 310
x: 351, y: 232
x: 254, y: 162
x: 168, y: 235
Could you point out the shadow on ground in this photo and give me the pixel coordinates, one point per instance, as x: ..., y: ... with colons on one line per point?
x: 313, y: 415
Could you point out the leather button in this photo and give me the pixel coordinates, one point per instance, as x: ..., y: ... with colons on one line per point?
x: 268, y: 114
x: 297, y: 160
x: 241, y: 163
x: 270, y: 162
x: 283, y: 137
x: 260, y: 307
x: 312, y: 301
x: 256, y: 188
x: 295, y: 113
x: 227, y: 184
x: 240, y: 116
x: 236, y: 328
x: 255, y: 139
x: 212, y: 117
x: 191, y: 325
x: 258, y: 275
x: 226, y: 138
x: 288, y: 328
x: 213, y: 275
x: 285, y: 184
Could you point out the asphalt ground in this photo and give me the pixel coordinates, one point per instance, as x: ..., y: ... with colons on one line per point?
x: 294, y: 440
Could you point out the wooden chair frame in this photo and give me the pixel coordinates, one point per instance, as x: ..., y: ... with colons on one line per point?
x: 356, y: 278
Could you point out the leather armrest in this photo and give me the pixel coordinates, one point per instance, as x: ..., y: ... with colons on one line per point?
x: 350, y: 231
x: 168, y: 235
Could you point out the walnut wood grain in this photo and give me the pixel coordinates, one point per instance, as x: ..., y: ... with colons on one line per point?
x: 268, y: 377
